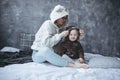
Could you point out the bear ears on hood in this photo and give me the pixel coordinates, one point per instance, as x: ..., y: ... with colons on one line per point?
x: 58, y: 12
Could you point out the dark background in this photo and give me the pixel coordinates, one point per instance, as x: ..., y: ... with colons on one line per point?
x: 20, y: 20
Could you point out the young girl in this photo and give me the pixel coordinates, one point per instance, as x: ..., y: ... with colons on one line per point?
x: 70, y: 45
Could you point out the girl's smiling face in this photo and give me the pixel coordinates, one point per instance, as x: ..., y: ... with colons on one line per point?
x: 73, y: 36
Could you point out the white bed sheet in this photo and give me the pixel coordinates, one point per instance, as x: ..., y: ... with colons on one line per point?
x: 46, y: 71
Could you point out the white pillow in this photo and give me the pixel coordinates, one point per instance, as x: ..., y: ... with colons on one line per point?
x: 88, y: 56
x: 104, y: 62
x: 9, y: 49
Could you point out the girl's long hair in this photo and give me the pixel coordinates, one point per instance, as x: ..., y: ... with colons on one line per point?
x: 70, y: 28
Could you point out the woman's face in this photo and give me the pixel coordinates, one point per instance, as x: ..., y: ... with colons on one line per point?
x: 62, y: 21
x: 73, y: 35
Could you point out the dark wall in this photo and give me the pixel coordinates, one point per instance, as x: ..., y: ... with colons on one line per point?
x: 20, y: 19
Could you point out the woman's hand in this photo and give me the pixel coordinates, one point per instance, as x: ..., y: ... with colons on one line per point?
x: 64, y: 33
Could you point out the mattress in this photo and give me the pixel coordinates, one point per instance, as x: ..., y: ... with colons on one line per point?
x: 46, y: 71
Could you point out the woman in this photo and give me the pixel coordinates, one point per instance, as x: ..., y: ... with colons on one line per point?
x: 48, y: 35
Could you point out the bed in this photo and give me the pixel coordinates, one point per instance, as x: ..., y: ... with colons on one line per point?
x: 46, y: 71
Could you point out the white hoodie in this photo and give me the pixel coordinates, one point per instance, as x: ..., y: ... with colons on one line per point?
x: 48, y: 35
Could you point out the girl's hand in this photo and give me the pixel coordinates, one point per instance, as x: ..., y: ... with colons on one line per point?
x: 81, y: 60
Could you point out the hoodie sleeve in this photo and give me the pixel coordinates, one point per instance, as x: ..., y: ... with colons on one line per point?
x: 51, y: 39
x: 48, y: 35
x: 80, y: 51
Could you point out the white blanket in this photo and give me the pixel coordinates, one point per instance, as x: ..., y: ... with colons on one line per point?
x: 46, y: 71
